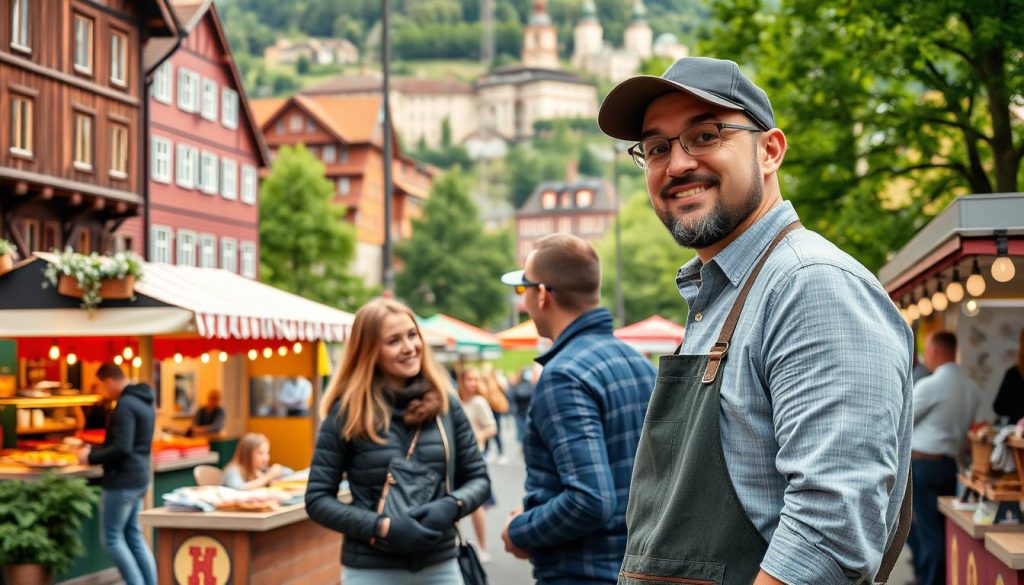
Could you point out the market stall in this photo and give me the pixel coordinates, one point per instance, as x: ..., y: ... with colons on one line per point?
x: 471, y: 342
x: 523, y: 336
x: 654, y: 335
x: 187, y: 332
x: 962, y: 273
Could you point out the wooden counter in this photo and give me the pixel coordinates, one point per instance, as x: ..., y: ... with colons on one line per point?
x: 964, y: 520
x: 281, y: 547
x: 1008, y: 547
x: 978, y: 553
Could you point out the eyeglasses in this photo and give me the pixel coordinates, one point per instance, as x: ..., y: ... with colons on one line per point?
x: 698, y: 140
x: 525, y: 284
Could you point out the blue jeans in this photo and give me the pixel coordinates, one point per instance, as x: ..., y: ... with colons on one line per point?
x: 446, y: 573
x: 927, y: 538
x: 119, y: 525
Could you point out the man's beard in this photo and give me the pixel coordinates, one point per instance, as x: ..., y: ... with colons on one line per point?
x: 717, y: 223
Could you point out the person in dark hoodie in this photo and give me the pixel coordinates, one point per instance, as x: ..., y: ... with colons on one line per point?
x: 124, y: 456
x: 387, y: 393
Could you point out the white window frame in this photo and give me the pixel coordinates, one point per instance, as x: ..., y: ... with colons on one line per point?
x: 250, y: 184
x: 186, y: 248
x: 160, y: 249
x: 229, y: 108
x: 119, y: 151
x: 19, y: 26
x: 209, y: 109
x: 247, y: 259
x: 83, y: 54
x: 228, y: 179
x: 295, y: 123
x: 84, y: 141
x: 162, y: 163
x: 229, y: 254
x: 119, y: 58
x: 162, y: 88
x: 22, y: 124
x: 208, y: 173
x: 329, y: 154
x: 187, y: 166
x: 207, y: 251
x: 343, y: 186
x: 188, y: 90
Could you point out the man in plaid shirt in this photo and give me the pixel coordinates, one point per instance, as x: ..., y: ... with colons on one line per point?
x: 583, y: 424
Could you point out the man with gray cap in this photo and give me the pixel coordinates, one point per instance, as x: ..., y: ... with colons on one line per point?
x: 776, y: 447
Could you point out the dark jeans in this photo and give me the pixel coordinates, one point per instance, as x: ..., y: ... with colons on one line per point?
x: 496, y: 439
x: 927, y: 537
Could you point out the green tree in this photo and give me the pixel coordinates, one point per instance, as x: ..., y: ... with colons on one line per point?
x: 650, y: 261
x: 590, y: 165
x: 450, y: 265
x: 525, y: 168
x: 891, y: 108
x: 302, y: 65
x: 306, y: 245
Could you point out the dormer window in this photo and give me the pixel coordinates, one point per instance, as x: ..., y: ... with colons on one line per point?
x: 584, y: 198
x: 548, y: 200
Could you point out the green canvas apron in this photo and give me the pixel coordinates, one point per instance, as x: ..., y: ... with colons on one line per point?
x: 685, y: 521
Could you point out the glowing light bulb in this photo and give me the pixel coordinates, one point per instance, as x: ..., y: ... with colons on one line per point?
x: 976, y: 285
x: 253, y: 354
x: 1003, y: 269
x: 127, y: 353
x: 913, y: 312
x: 71, y: 359
x: 222, y: 356
x: 955, y: 292
x: 939, y: 300
x: 54, y: 352
x: 267, y: 352
x: 282, y: 351
x: 925, y: 306
x: 297, y: 348
x: 205, y: 358
x: 178, y: 358
x: 118, y: 360
x: 136, y: 362
x: 971, y: 308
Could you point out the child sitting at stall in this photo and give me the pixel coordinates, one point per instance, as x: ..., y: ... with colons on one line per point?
x: 250, y: 467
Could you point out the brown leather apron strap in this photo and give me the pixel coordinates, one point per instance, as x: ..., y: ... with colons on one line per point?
x: 902, y: 531
x: 719, y: 349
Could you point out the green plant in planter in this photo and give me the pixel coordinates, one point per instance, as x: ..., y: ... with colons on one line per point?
x: 7, y: 247
x: 41, y: 520
x: 90, y: 270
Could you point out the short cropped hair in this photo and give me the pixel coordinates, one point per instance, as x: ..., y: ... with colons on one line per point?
x: 110, y: 371
x: 945, y: 341
x: 569, y: 265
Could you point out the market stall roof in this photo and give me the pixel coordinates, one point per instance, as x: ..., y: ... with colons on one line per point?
x: 522, y: 336
x: 468, y: 338
x: 654, y: 334
x: 966, y: 228
x: 170, y: 299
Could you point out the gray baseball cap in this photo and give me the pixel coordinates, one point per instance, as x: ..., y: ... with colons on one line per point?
x: 715, y: 81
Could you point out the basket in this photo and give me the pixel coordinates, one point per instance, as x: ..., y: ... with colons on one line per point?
x: 981, y: 455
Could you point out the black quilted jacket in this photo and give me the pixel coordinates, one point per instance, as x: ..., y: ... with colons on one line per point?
x: 365, y: 464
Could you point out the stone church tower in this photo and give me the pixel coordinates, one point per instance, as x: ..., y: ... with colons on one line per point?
x: 540, y: 39
x: 638, y: 37
x: 588, y: 36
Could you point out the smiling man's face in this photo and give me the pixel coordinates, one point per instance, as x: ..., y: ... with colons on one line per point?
x: 702, y: 199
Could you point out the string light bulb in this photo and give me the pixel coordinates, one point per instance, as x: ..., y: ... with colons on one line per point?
x: 222, y: 356
x: 205, y: 358
x: 54, y: 351
x: 1003, y: 269
x: 267, y: 352
x: 913, y: 312
x: 971, y: 308
x: 955, y: 290
x: 72, y: 359
x: 975, y: 282
x: 925, y: 304
x: 939, y: 300
x: 178, y: 358
x: 136, y: 362
x: 282, y: 351
x: 118, y: 359
x: 297, y: 348
x: 128, y: 353
x: 253, y: 354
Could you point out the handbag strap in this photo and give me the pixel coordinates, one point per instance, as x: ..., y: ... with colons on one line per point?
x: 412, y: 444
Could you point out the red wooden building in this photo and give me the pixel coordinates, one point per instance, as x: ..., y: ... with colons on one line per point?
x: 206, y: 151
x: 73, y: 117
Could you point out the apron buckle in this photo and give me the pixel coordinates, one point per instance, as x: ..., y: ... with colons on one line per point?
x: 715, y: 357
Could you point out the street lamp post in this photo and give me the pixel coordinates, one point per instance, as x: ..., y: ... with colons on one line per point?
x: 620, y: 303
x: 387, y: 276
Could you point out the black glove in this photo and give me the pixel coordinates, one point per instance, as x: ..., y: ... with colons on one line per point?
x: 407, y: 536
x: 439, y: 514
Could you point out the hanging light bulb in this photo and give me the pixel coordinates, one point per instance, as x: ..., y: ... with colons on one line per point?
x: 955, y: 290
x: 282, y: 351
x: 71, y: 359
x: 127, y: 353
x: 971, y: 308
x: 267, y: 352
x: 925, y: 304
x: 253, y: 354
x: 205, y: 358
x: 1003, y: 269
x: 54, y: 351
x: 136, y: 362
x: 976, y: 282
x: 118, y: 359
x: 939, y: 300
x: 222, y: 356
x: 178, y: 357
x: 913, y: 312
x: 297, y: 348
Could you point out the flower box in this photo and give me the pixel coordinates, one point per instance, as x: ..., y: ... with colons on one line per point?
x: 110, y: 288
x: 6, y: 263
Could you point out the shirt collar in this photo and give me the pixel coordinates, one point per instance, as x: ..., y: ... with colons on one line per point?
x: 597, y: 320
x: 736, y: 260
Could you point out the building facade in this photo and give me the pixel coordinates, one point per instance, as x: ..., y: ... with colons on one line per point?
x: 206, y: 153
x: 592, y: 54
x: 72, y: 112
x: 584, y: 207
x: 346, y: 135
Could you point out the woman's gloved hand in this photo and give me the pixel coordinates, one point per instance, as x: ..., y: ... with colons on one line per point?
x: 439, y: 514
x: 407, y: 536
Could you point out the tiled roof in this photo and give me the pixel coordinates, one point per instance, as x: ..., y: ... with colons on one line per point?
x: 263, y: 109
x: 603, y: 197
x: 355, y: 119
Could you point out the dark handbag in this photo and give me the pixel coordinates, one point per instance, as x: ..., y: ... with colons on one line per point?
x: 469, y: 563
x: 409, y: 483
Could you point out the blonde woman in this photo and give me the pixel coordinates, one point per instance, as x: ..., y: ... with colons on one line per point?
x: 495, y: 390
x: 471, y: 388
x: 386, y: 387
x: 250, y: 467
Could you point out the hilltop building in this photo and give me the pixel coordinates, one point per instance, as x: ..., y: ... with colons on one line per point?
x: 315, y: 51
x: 591, y: 53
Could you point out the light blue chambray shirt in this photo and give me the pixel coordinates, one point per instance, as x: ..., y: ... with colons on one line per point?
x: 816, y: 407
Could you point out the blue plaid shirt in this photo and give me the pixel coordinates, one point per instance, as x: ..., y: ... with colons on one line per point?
x: 581, y: 435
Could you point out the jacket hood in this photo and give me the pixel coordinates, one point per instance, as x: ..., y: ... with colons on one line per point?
x: 141, y: 391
